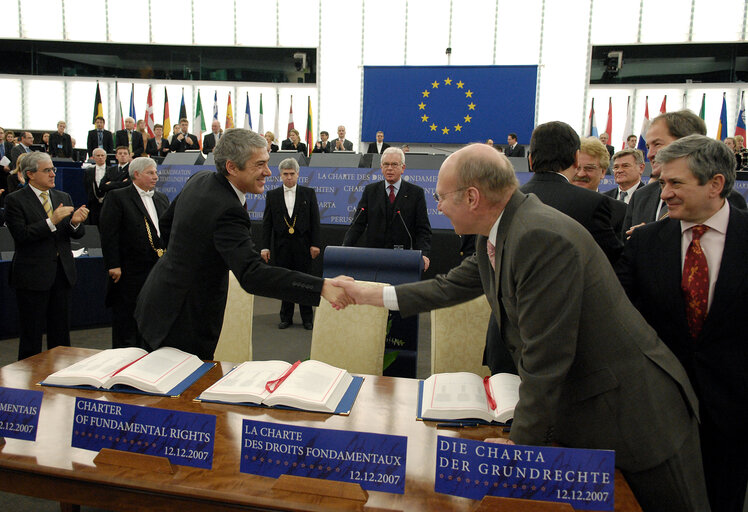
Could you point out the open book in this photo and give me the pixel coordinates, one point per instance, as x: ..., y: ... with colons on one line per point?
x: 456, y: 396
x: 158, y: 372
x: 311, y: 385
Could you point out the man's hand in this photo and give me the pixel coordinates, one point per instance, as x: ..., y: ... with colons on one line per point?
x: 338, y: 144
x: 314, y: 251
x: 265, y: 255
x: 632, y: 228
x: 60, y: 213
x: 189, y: 140
x: 80, y: 216
x: 180, y: 137
x: 499, y: 440
x: 361, y: 293
x: 335, y: 294
x: 115, y: 273
x: 426, y: 263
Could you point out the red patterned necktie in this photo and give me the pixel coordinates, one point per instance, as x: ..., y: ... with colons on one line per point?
x: 392, y: 193
x: 695, y: 282
x: 491, y: 250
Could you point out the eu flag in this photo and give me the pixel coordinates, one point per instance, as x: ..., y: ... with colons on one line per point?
x: 449, y: 104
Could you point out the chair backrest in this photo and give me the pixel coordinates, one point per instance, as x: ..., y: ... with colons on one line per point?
x: 352, y: 338
x: 235, y: 342
x: 458, y: 337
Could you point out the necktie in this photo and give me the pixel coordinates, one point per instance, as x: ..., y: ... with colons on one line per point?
x: 623, y: 195
x: 491, y: 250
x: 695, y: 282
x: 45, y: 203
x: 392, y: 193
x: 129, y: 140
x: 101, y: 138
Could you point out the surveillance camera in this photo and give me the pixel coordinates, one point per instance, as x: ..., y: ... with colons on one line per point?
x: 299, y: 61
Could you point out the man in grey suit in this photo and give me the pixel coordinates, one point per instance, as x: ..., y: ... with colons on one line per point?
x: 588, y: 361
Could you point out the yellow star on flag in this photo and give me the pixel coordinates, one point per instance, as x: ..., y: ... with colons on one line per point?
x: 421, y: 106
x: 467, y: 119
x: 448, y: 81
x: 433, y: 127
x: 469, y: 94
x: 425, y: 94
x: 460, y: 84
x: 424, y: 118
x: 435, y: 85
x: 471, y: 105
x: 458, y: 127
x: 445, y: 130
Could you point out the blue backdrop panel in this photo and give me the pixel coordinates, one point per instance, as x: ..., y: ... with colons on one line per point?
x: 449, y: 104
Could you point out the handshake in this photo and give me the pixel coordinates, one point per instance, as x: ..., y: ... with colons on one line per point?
x: 343, y: 291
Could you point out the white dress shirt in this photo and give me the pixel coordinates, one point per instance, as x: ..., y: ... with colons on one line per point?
x: 289, y: 196
x: 147, y: 198
x: 98, y: 176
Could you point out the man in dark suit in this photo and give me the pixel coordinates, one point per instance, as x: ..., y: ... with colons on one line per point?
x: 210, y: 140
x: 131, y: 244
x: 323, y: 145
x: 341, y: 143
x: 157, y: 145
x: 117, y: 176
x: 379, y: 146
x: 554, y: 158
x: 687, y: 276
x: 60, y: 143
x: 130, y: 138
x: 587, y: 360
x: 183, y: 300
x: 604, y: 138
x: 24, y: 146
x: 183, y: 141
x: 628, y: 166
x: 512, y: 148
x: 5, y: 150
x: 92, y: 177
x: 393, y: 211
x: 100, y: 138
x: 290, y: 226
x: 42, y: 221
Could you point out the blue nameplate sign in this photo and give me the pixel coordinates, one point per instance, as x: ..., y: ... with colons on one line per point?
x: 185, y: 438
x: 19, y: 413
x: 474, y: 469
x: 376, y: 461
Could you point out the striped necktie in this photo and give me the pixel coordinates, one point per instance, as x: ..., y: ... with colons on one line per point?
x: 46, y: 204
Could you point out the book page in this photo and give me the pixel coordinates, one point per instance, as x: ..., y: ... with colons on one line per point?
x: 159, y: 371
x: 455, y: 396
x: 505, y: 391
x: 246, y: 382
x: 95, y: 370
x: 313, y: 385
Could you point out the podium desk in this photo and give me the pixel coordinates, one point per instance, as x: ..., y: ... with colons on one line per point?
x: 49, y: 468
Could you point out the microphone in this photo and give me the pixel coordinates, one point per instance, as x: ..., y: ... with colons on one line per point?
x: 406, y: 228
x: 360, y: 211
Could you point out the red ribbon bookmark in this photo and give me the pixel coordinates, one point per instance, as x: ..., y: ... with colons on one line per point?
x: 491, y: 401
x: 272, y: 385
x: 128, y: 365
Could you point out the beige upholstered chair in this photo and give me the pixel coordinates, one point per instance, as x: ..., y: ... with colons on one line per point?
x: 458, y: 336
x: 352, y: 338
x: 235, y: 343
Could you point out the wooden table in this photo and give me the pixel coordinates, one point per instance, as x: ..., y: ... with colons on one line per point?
x: 49, y: 468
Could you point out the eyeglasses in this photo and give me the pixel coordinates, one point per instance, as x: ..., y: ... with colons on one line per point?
x: 439, y: 197
x: 47, y: 171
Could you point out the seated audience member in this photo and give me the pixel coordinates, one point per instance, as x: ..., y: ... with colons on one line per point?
x: 406, y: 148
x: 294, y: 142
x: 183, y: 140
x: 323, y: 145
x: 10, y: 137
x: 24, y: 146
x: 158, y: 145
x: 92, y: 177
x: 604, y: 138
x: 210, y: 140
x: 512, y: 147
x: 379, y: 146
x: 631, y: 141
x: 341, y: 143
x: 99, y: 137
x: 130, y: 138
x: 143, y: 133
x: 45, y: 142
x: 60, y: 143
x: 174, y: 131
x: 628, y: 166
x: 270, y: 137
x: 15, y: 178
x: 117, y: 176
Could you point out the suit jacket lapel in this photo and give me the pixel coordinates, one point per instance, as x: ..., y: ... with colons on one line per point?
x: 667, y: 270
x: 36, y: 204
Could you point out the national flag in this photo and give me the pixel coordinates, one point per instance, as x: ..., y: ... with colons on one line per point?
x: 167, y: 121
x: 149, y: 121
x: 98, y: 107
x: 702, y: 112
x: 309, y: 131
x: 229, y: 114
x: 627, y: 125
x: 609, y: 126
x: 132, y: 103
x: 260, y: 122
x: 290, y: 118
x: 722, y: 126
x: 119, y: 121
x: 592, y: 128
x: 276, y: 126
x: 740, y: 123
x: 642, y: 145
x: 198, y: 124
x: 182, y: 108
x: 215, y: 106
x: 247, y: 116
x: 663, y: 107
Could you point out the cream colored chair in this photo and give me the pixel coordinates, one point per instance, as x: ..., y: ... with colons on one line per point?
x: 458, y: 336
x: 352, y: 338
x: 235, y: 343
